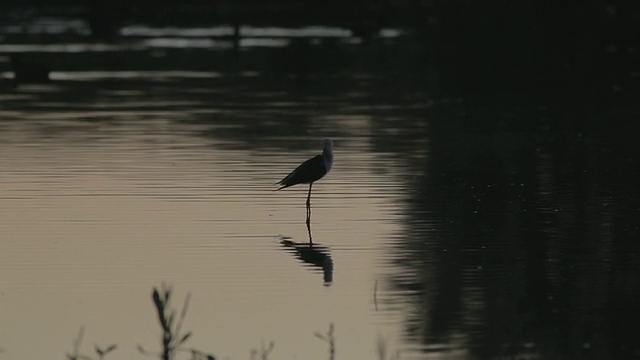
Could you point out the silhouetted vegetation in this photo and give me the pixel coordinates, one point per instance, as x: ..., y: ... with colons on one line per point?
x: 330, y: 339
x: 77, y: 343
x: 263, y: 352
x: 173, y: 338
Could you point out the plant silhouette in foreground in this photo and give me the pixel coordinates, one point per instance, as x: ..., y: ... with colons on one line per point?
x: 75, y: 355
x: 172, y: 336
x: 264, y: 352
x: 329, y: 339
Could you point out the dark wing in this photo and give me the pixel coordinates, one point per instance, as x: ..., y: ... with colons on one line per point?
x: 309, y: 171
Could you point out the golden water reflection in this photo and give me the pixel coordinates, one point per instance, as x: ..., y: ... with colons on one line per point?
x: 91, y: 220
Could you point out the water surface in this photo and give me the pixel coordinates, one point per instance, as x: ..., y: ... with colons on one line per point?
x: 465, y: 228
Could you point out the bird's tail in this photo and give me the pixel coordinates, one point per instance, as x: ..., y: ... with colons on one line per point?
x: 282, y: 182
x: 282, y: 187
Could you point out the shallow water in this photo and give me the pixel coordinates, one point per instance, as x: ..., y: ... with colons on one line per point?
x: 449, y: 228
x: 90, y: 225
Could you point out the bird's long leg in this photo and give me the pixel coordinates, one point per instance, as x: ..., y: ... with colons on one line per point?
x: 309, y: 204
x: 309, y: 231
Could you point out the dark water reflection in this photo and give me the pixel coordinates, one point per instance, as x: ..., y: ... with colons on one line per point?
x: 518, y: 220
x: 521, y: 236
x: 311, y: 254
x: 315, y: 255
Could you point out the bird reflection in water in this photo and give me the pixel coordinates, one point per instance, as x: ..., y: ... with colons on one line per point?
x: 311, y: 254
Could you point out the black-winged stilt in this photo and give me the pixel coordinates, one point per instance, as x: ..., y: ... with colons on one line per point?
x: 311, y: 171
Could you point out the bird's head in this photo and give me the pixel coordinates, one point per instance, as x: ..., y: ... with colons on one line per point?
x: 327, y: 145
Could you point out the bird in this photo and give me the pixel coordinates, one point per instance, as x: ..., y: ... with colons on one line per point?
x: 310, y: 171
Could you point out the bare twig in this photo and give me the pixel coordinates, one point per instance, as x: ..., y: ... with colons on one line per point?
x: 264, y: 352
x: 330, y: 339
x: 172, y: 336
x: 75, y: 355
